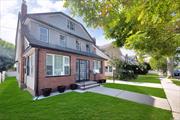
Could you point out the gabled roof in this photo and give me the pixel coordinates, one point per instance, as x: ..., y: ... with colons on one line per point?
x: 111, y: 51
x: 34, y: 16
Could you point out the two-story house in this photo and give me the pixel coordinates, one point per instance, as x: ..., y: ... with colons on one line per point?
x: 53, y: 49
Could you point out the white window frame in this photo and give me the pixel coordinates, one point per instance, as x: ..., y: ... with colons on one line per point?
x: 97, y: 66
x: 60, y: 40
x: 44, y: 34
x: 53, y: 64
x: 79, y: 47
x: 70, y: 25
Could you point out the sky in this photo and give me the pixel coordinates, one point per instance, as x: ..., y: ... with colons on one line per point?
x: 9, y: 14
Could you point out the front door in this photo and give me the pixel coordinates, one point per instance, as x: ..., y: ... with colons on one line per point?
x: 82, y: 70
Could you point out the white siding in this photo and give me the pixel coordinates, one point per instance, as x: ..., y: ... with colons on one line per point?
x: 54, y: 36
x: 60, y: 21
x: 30, y: 79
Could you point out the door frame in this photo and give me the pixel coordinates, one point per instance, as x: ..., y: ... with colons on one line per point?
x: 87, y: 72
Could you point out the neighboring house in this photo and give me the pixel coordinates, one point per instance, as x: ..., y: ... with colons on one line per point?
x: 109, y: 52
x: 53, y: 49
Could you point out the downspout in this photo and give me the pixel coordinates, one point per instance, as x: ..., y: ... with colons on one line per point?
x: 36, y: 73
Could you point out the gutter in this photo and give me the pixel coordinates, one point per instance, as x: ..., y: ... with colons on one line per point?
x: 36, y: 73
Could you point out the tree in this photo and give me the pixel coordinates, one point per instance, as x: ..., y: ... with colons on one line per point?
x: 158, y: 63
x: 6, y: 55
x: 150, y: 27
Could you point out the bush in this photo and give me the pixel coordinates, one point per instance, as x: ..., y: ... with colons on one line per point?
x: 46, y: 91
x: 101, y: 81
x: 61, y: 89
x: 73, y: 86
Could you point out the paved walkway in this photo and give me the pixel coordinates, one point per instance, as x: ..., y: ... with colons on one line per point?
x: 172, y: 92
x: 132, y: 96
x: 145, y: 84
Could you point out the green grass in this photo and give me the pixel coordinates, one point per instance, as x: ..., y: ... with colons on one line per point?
x: 176, y: 82
x: 151, y: 78
x: 16, y: 104
x: 158, y: 92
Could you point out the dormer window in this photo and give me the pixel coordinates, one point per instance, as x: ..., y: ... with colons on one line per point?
x: 62, y: 41
x: 87, y: 48
x: 71, y: 25
x: 43, y: 34
x: 78, y: 45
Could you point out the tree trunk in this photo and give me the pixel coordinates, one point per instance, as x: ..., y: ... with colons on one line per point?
x: 170, y: 67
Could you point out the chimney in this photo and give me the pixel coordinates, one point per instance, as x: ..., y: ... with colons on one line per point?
x: 23, y: 8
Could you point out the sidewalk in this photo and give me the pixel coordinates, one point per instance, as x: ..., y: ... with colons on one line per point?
x: 132, y: 96
x: 155, y: 85
x: 172, y: 92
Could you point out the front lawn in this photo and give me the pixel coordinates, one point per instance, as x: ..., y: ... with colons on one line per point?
x: 176, y: 82
x: 16, y: 104
x: 158, y: 92
x: 151, y: 78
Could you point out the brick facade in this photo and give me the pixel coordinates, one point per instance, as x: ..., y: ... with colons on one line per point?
x: 54, y: 81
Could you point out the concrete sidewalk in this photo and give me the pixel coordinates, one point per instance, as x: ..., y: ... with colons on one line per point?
x: 154, y: 85
x: 132, y: 96
x: 172, y: 92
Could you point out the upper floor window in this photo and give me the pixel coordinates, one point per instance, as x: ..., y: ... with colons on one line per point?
x: 43, y: 34
x: 62, y: 40
x: 87, y: 48
x: 71, y: 25
x: 78, y: 45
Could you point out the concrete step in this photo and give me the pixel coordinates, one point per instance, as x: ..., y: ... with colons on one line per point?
x: 89, y: 86
x: 86, y: 83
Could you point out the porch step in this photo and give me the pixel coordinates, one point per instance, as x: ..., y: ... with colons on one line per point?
x: 87, y: 84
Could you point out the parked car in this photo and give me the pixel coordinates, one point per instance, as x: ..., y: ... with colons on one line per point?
x: 177, y: 72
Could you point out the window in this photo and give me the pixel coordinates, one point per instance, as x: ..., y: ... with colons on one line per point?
x: 62, y: 41
x: 87, y: 48
x: 71, y: 25
x: 29, y: 65
x: 78, y: 45
x: 97, y: 66
x: 57, y: 65
x: 49, y: 64
x: 110, y: 68
x: 43, y: 34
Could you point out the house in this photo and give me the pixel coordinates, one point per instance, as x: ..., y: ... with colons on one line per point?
x: 53, y: 49
x: 109, y: 52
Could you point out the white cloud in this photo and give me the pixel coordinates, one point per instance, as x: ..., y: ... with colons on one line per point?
x: 9, y: 13
x: 48, y: 6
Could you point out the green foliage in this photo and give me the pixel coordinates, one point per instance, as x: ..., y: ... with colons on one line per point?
x: 150, y: 26
x: 7, y: 55
x: 158, y: 63
x: 124, y: 71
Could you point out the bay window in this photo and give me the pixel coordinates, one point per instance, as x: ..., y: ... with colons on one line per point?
x: 57, y: 65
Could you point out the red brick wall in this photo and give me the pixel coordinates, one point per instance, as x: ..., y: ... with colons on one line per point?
x: 53, y: 82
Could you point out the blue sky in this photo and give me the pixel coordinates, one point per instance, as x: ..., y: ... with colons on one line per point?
x: 9, y: 11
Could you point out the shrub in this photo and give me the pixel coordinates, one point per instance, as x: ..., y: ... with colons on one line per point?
x: 46, y: 91
x: 73, y: 86
x: 61, y: 89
